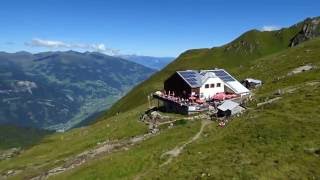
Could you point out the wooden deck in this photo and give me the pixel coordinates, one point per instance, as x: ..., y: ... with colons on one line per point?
x: 174, y: 104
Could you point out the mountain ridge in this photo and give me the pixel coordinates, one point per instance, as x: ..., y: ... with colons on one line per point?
x: 231, y: 55
x: 150, y: 61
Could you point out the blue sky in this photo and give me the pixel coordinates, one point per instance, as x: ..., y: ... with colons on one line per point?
x: 144, y: 27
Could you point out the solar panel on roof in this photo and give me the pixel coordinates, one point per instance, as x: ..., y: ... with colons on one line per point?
x: 193, y: 83
x: 227, y: 78
x: 183, y: 73
x: 224, y: 76
x: 220, y: 73
x: 192, y: 79
x: 188, y: 74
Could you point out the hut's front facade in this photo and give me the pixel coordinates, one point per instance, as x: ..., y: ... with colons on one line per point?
x: 203, y: 84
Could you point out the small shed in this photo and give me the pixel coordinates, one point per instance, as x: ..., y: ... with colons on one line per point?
x: 251, y: 83
x: 229, y: 108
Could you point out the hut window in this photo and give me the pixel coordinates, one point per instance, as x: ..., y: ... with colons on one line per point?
x: 212, y: 85
x: 206, y: 86
x: 218, y: 84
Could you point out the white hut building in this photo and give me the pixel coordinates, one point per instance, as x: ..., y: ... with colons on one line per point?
x: 204, y: 83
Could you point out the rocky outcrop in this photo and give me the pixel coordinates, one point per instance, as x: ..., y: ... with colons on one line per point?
x: 8, y: 154
x: 242, y: 46
x: 310, y: 29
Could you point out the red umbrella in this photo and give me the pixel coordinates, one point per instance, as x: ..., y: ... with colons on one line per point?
x: 200, y: 101
x: 219, y: 96
x: 229, y: 96
x: 192, y: 98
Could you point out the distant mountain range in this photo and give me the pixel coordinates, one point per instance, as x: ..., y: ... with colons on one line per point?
x: 57, y: 90
x: 149, y: 61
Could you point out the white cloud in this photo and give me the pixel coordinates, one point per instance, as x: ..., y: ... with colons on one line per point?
x: 53, y: 44
x: 270, y: 28
x: 47, y: 43
x: 9, y: 43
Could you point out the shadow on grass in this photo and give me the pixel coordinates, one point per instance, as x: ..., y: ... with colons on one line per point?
x: 12, y: 136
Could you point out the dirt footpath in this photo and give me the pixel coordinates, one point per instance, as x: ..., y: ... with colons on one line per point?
x: 178, y: 149
x: 102, y: 149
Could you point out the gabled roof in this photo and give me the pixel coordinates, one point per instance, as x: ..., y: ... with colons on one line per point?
x: 206, y: 75
x: 230, y: 81
x: 196, y: 79
x: 222, y: 74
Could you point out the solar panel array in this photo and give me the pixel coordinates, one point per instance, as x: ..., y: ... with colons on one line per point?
x: 224, y: 76
x: 190, y: 77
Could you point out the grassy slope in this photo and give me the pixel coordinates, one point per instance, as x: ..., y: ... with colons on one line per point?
x: 266, y: 143
x: 53, y: 149
x: 127, y: 164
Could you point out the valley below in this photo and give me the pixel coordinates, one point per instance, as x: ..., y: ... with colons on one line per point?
x: 59, y: 90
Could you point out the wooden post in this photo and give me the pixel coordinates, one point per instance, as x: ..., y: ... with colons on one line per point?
x: 149, y: 101
x: 152, y: 100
